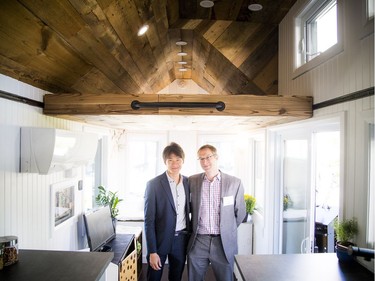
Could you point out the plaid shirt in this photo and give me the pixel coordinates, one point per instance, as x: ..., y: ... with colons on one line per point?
x: 209, y: 221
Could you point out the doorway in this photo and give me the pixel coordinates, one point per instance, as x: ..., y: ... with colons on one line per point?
x: 309, y: 167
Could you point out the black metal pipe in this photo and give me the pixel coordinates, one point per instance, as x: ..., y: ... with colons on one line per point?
x: 367, y: 253
x: 17, y: 98
x: 220, y: 106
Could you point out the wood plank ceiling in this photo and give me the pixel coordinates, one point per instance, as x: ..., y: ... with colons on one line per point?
x: 90, y: 48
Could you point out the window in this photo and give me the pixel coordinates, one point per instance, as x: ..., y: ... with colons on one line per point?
x: 318, y: 34
x: 370, y: 9
x: 327, y: 169
x: 143, y: 162
x: 92, y: 178
x: 321, y: 30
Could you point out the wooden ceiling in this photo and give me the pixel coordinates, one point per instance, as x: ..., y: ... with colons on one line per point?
x: 91, y: 47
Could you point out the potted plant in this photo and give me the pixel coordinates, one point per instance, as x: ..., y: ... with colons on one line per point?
x: 287, y: 202
x: 250, y: 202
x: 106, y: 197
x: 345, y: 231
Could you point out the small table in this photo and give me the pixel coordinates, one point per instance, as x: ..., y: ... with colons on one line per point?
x: 297, y: 267
x: 42, y: 265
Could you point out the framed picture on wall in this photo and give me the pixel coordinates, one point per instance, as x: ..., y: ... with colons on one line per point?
x: 62, y: 203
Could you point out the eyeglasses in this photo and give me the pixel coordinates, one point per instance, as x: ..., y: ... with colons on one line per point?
x: 208, y: 158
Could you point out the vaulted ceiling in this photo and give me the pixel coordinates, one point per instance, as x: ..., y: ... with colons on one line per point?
x: 92, y: 47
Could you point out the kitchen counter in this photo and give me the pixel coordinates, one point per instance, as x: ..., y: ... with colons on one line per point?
x: 297, y: 267
x: 42, y: 265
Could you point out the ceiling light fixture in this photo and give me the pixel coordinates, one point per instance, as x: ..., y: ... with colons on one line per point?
x: 143, y: 30
x: 206, y: 4
x: 255, y: 7
x: 181, y: 43
x: 181, y: 54
x: 182, y: 62
x: 183, y: 69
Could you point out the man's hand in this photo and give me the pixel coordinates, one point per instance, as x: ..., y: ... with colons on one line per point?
x: 155, y: 262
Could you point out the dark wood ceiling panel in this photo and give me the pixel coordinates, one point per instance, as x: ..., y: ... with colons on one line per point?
x: 95, y: 82
x: 265, y: 80
x: 48, y: 62
x: 201, y: 53
x: 95, y: 18
x: 91, y: 47
x: 234, y: 39
x: 261, y: 56
x: 82, y: 39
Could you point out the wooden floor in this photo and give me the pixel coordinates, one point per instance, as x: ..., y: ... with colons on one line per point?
x: 209, y: 275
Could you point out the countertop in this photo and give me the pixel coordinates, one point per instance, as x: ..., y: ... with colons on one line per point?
x: 298, y: 267
x: 43, y: 265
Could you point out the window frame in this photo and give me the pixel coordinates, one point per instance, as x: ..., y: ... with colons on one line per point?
x: 312, y: 8
x: 132, y: 208
x: 367, y: 20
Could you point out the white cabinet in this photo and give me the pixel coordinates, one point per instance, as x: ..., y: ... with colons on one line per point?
x: 245, y: 238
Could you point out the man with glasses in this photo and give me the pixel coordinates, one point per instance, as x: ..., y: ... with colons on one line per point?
x: 217, y: 209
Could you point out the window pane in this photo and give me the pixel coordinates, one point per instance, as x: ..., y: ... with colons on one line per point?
x: 143, y: 159
x: 296, y: 201
x: 92, y: 179
x: 321, y: 29
x: 327, y: 29
x: 142, y: 165
x: 370, y: 9
x: 327, y: 184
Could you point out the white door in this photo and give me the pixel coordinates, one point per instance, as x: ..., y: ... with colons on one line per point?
x: 309, y: 172
x: 297, y: 212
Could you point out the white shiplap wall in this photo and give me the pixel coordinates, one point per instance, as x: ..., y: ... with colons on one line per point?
x: 349, y: 71
x: 25, y: 197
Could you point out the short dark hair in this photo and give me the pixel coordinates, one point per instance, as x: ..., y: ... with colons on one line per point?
x: 208, y: 146
x: 173, y: 148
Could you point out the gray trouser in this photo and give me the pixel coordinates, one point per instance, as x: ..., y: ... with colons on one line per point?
x: 208, y: 250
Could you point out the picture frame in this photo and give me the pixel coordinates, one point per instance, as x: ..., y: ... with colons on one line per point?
x: 63, y: 204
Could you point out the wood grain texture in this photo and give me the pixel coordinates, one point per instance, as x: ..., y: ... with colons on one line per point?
x: 241, y: 105
x: 92, y: 47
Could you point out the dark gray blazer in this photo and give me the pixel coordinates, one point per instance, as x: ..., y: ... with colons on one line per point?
x: 160, y: 214
x: 231, y: 215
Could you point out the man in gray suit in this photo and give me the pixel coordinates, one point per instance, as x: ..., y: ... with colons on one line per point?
x: 217, y: 209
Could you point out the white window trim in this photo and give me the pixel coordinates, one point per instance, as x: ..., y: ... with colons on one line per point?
x: 368, y: 23
x: 300, y: 68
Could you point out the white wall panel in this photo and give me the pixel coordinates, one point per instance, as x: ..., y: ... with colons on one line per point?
x: 24, y: 197
x: 349, y: 71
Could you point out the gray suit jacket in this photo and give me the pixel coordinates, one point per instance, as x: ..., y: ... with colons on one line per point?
x: 231, y: 215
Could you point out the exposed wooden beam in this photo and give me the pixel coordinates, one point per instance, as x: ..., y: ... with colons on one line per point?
x: 118, y: 104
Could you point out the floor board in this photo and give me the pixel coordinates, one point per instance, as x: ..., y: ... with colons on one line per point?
x: 209, y: 275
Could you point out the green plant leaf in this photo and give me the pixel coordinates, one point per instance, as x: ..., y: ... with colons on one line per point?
x: 107, y: 197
